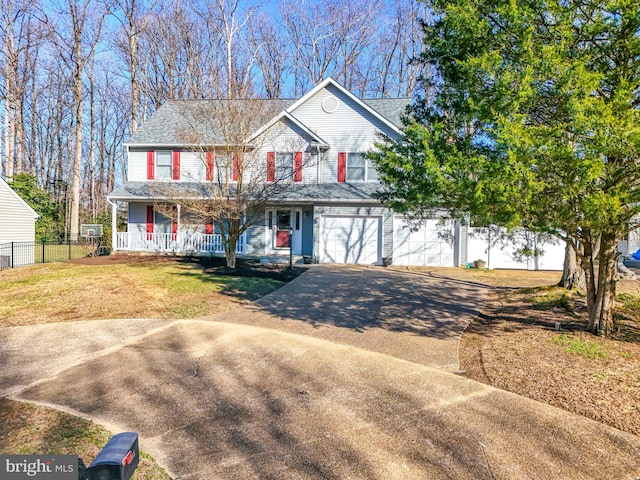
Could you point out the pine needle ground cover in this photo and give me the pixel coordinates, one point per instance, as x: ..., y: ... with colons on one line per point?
x: 530, y: 340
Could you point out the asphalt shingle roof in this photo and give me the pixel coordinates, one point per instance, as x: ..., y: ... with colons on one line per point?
x: 175, y: 122
x: 294, y: 193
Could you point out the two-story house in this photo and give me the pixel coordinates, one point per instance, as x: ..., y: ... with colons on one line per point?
x: 323, y: 208
x: 325, y: 212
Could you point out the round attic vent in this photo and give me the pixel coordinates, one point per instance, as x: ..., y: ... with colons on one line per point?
x: 330, y: 104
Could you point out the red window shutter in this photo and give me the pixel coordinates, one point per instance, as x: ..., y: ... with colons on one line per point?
x: 176, y: 165
x: 149, y: 222
x: 271, y: 166
x: 342, y: 167
x: 150, y: 165
x: 236, y: 167
x: 209, y: 165
x: 297, y: 167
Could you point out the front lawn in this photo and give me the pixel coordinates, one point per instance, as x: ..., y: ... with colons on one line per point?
x: 120, y: 287
x: 106, y: 288
x: 33, y: 430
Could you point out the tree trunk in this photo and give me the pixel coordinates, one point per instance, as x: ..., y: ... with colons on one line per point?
x: 74, y: 219
x: 230, y: 254
x: 572, y: 274
x: 231, y: 241
x: 587, y: 264
x: 601, y: 319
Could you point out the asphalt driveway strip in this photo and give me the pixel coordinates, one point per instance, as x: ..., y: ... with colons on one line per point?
x: 330, y: 377
x: 411, y: 316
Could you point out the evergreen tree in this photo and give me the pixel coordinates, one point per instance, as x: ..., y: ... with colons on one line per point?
x: 531, y: 120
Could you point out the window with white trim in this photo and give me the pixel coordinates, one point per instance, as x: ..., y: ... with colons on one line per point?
x: 164, y: 165
x: 223, y: 168
x: 360, y: 168
x: 284, y: 165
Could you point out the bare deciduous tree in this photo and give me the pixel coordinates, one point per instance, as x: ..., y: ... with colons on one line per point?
x: 242, y: 177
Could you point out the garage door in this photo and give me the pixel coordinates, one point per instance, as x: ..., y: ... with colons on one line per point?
x: 350, y: 240
x: 428, y: 246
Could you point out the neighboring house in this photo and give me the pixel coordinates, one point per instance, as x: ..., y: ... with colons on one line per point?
x: 326, y: 213
x: 17, y: 224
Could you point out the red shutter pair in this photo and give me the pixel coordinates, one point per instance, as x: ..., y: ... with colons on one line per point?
x: 151, y: 165
x: 271, y: 166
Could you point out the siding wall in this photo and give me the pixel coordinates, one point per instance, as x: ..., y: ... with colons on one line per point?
x: 17, y: 220
x: 351, y: 128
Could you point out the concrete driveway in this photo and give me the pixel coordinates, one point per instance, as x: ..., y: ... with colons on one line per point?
x: 220, y: 400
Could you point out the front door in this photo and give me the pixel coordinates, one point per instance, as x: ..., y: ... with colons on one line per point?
x: 283, y: 224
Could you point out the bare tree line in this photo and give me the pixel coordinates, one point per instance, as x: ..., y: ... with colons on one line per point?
x: 80, y: 76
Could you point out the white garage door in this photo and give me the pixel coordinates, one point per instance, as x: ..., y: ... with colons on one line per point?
x: 351, y: 240
x: 426, y: 246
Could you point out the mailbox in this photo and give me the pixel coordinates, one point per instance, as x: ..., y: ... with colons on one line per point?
x: 117, y: 460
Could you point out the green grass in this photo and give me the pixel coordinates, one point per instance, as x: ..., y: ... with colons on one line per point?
x: 577, y: 346
x: 156, y: 289
x: 547, y: 298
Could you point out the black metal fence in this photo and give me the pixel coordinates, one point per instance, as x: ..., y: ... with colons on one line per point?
x: 20, y: 254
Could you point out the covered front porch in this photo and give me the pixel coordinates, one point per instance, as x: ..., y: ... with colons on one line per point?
x: 179, y: 242
x: 153, y: 231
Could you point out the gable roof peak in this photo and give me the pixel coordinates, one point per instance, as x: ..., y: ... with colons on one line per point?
x: 330, y: 81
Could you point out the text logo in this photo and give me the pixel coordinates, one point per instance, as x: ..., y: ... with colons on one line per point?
x: 39, y: 467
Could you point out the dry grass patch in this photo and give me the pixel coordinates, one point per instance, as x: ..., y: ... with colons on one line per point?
x: 156, y: 288
x: 516, y: 347
x: 27, y: 429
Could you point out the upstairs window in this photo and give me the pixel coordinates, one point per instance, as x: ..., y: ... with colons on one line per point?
x: 284, y: 165
x: 163, y: 165
x: 227, y: 165
x: 360, y: 169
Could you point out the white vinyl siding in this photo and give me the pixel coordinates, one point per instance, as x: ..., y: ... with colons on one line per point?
x: 351, y: 128
x: 17, y: 219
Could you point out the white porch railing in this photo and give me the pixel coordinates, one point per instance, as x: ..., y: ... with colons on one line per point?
x: 175, y: 243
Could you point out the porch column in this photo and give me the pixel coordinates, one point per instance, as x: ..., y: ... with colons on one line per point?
x: 114, y: 226
x: 178, y: 236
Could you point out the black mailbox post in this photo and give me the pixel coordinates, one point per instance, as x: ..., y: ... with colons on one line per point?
x: 117, y: 460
